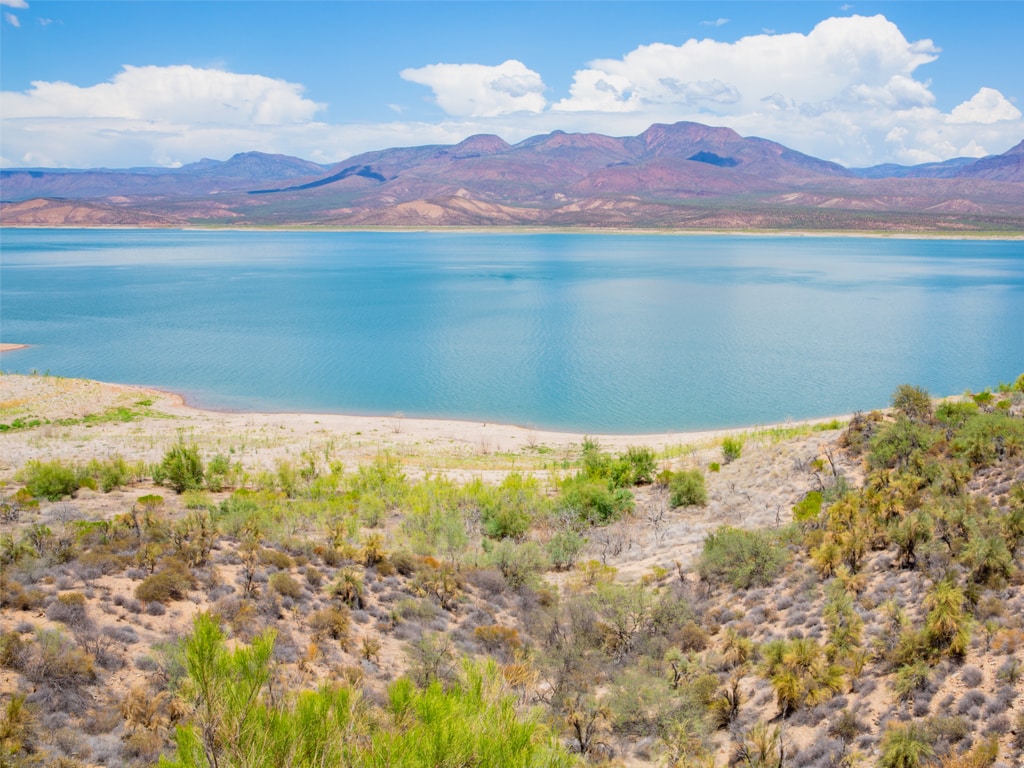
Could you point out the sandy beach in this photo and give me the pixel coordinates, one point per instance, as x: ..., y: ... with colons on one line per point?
x: 454, y: 447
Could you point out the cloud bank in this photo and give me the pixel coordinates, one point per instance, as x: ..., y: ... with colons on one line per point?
x: 848, y: 90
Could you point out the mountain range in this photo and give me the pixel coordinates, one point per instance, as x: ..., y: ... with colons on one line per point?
x: 684, y: 176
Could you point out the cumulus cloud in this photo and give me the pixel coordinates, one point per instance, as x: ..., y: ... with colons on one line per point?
x: 164, y: 112
x: 849, y: 90
x: 986, y: 106
x: 14, y: 3
x: 478, y: 90
x: 840, y: 92
x: 855, y: 57
x: 178, y: 93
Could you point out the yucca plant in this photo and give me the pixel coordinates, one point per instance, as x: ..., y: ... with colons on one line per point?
x: 905, y: 746
x: 947, y: 626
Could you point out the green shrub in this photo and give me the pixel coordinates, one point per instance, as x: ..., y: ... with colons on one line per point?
x: 110, y: 473
x: 988, y: 437
x: 217, y: 472
x: 808, y: 508
x: 181, y: 468
x: 953, y: 415
x: 520, y: 564
x: 635, y: 467
x: 913, y: 402
x: 742, y: 558
x: 732, y: 448
x: 593, y: 501
x: 564, y: 547
x: 686, y: 488
x: 405, y: 562
x: 197, y: 500
x: 509, y: 510
x: 909, y: 679
x: 237, y: 510
x: 898, y: 442
x: 51, y: 480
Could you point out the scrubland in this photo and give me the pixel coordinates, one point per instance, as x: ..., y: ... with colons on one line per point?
x: 203, y: 589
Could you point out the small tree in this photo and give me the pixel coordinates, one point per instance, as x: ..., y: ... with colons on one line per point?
x: 913, y: 402
x: 223, y: 689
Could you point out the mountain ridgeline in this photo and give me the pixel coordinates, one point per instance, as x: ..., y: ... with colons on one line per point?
x: 683, y: 176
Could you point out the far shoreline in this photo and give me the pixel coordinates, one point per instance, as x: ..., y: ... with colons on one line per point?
x: 534, y: 230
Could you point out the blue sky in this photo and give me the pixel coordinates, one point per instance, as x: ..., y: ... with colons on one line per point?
x: 121, y: 84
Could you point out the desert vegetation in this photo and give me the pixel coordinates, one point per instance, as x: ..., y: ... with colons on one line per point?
x: 314, y: 613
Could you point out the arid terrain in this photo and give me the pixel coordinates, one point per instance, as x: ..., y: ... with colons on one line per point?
x: 684, y: 176
x: 803, y: 595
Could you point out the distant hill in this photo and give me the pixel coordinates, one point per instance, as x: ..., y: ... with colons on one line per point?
x: 1008, y: 166
x: 684, y: 175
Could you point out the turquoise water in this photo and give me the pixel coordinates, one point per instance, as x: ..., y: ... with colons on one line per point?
x: 600, y: 333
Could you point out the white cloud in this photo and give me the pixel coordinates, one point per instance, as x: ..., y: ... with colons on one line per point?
x: 12, y: 19
x: 152, y: 115
x: 987, y: 106
x: 14, y: 3
x: 478, y: 90
x: 844, y: 91
x: 176, y: 93
x: 715, y: 23
x: 848, y: 90
x: 854, y: 57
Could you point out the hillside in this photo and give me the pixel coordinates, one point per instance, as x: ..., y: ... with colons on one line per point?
x: 682, y: 176
x: 843, y: 593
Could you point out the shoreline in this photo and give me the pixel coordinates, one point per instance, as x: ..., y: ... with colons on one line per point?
x: 533, y: 230
x: 395, y: 431
x: 10, y: 347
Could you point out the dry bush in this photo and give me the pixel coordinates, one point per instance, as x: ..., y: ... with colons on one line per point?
x: 285, y: 585
x: 489, y: 581
x: 69, y: 609
x: 496, y: 638
x: 333, y: 622
x: 60, y: 671
x: 275, y: 559
x: 171, y: 583
x: 314, y: 577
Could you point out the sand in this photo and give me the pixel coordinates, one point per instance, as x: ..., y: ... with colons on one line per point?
x: 458, y: 448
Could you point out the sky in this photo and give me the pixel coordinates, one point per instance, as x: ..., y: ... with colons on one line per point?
x: 153, y: 83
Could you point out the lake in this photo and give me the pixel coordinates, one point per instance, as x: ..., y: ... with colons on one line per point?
x: 588, y: 332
